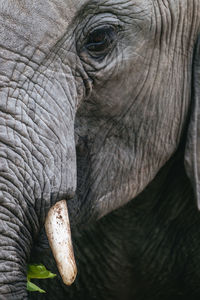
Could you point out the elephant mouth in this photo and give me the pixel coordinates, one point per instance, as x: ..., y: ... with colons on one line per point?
x: 58, y: 232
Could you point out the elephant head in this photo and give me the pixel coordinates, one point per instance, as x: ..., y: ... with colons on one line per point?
x: 94, y: 99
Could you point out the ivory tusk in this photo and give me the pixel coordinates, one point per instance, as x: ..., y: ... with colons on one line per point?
x: 59, y: 235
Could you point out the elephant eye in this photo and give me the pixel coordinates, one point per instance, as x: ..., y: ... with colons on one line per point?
x: 100, y: 40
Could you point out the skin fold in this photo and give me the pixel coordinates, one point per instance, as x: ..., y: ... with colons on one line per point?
x: 99, y: 105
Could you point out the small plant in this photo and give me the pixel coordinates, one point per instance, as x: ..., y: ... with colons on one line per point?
x: 37, y: 272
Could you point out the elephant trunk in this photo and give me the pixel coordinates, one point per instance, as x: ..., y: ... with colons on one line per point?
x: 16, y: 236
x: 37, y: 159
x: 19, y: 222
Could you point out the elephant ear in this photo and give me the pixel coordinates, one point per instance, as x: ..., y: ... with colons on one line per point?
x: 192, y: 151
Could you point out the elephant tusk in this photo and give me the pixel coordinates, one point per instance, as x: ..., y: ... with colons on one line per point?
x: 59, y: 236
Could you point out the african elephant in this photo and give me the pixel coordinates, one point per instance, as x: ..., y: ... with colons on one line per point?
x: 99, y: 106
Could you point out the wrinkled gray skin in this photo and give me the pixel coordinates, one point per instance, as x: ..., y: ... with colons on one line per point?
x: 134, y: 106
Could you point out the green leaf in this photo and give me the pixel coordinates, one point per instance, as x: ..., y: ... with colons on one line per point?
x: 31, y: 287
x: 39, y: 272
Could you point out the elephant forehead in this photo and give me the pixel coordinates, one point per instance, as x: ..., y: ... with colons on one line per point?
x: 38, y: 23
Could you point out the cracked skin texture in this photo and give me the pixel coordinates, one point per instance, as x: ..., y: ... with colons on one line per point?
x: 99, y: 105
